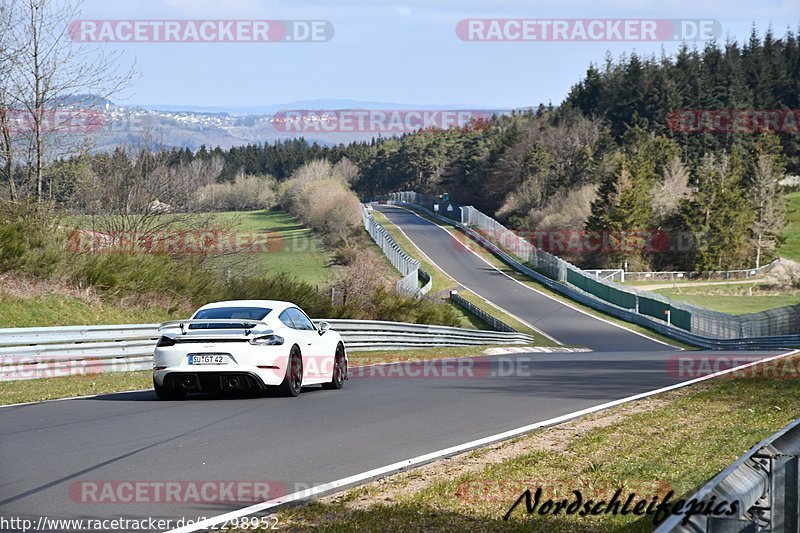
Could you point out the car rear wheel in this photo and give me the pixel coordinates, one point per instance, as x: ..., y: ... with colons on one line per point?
x: 339, y: 370
x: 293, y: 380
x: 165, y: 393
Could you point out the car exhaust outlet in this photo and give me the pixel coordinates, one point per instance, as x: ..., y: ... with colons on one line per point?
x: 187, y: 384
x: 231, y: 383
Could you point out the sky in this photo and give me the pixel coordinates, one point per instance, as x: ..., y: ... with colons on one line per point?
x: 399, y: 52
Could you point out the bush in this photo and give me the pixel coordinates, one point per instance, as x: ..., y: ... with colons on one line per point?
x: 32, y: 242
x: 287, y: 288
x: 246, y: 192
x: 389, y: 305
x: 28, y: 232
x: 320, y: 197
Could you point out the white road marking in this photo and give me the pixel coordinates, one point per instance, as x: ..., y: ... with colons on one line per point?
x: 470, y: 289
x: 453, y: 450
x: 533, y: 349
x: 536, y: 291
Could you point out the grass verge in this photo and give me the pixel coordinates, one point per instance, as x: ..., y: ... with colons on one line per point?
x: 790, y: 247
x: 735, y: 299
x: 297, y: 250
x: 501, y: 266
x: 35, y: 390
x: 674, y: 441
x: 441, y: 281
x: 63, y: 310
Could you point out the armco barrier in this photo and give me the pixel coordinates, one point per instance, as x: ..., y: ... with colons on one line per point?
x: 742, y: 342
x: 698, y: 320
x: 765, y: 483
x: 495, y: 323
x: 28, y: 353
x: 404, y: 263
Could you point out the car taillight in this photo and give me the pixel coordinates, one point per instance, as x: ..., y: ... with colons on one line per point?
x: 267, y: 340
x: 165, y: 341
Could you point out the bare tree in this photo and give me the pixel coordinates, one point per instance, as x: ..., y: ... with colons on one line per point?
x: 202, y: 174
x: 347, y: 169
x: 566, y: 210
x: 50, y: 72
x: 6, y: 115
x: 766, y: 197
x: 668, y: 194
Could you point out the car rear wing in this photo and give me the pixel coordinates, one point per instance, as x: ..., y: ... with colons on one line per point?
x: 238, y: 323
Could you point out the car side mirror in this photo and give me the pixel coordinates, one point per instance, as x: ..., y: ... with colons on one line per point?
x: 323, y: 327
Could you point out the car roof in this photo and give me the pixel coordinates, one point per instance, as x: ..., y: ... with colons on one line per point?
x: 275, y: 305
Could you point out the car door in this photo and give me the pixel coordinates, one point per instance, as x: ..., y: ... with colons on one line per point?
x: 317, y: 355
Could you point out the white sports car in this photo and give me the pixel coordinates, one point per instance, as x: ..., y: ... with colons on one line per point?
x: 247, y: 345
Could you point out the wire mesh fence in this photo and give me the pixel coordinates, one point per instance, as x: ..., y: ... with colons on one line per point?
x: 681, y: 275
x: 691, y: 318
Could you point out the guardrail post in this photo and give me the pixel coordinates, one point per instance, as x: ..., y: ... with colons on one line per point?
x: 784, y: 494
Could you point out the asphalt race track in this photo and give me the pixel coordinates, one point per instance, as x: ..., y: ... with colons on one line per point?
x: 49, y: 452
x: 561, y: 322
x: 50, y: 448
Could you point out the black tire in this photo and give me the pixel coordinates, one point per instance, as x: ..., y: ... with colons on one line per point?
x: 166, y: 394
x: 293, y: 380
x: 339, y: 370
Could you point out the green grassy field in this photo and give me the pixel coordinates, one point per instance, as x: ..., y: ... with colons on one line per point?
x: 61, y: 310
x: 730, y: 298
x: 289, y: 247
x: 296, y: 249
x: 790, y: 248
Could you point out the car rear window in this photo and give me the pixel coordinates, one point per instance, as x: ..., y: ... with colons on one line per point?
x: 238, y: 313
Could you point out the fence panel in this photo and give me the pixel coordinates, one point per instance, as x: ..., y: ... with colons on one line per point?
x: 405, y: 264
x: 784, y: 321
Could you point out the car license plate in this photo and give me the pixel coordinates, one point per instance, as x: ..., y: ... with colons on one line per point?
x: 208, y: 359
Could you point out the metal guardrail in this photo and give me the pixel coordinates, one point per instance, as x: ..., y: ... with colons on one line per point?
x: 765, y: 483
x: 404, y: 263
x: 30, y: 353
x: 426, y: 280
x: 495, y: 323
x: 661, y: 327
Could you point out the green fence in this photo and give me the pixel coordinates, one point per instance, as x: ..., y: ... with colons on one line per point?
x: 697, y: 320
